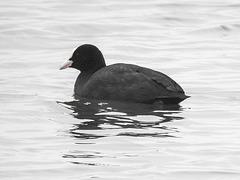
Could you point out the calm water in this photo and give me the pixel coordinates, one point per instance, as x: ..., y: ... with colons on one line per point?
x: 46, y: 134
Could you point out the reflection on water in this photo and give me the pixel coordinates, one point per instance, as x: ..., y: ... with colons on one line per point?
x: 102, y: 120
x: 119, y: 115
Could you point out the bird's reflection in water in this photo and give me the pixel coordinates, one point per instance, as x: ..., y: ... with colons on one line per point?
x: 121, y: 119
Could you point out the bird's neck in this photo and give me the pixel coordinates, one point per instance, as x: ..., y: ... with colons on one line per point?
x: 84, y: 76
x: 81, y: 80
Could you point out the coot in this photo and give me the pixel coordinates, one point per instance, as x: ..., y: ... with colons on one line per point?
x: 122, y: 82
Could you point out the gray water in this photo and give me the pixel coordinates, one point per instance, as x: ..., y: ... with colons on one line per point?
x: 46, y: 134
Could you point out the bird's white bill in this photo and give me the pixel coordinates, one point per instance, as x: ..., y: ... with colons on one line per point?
x: 66, y: 65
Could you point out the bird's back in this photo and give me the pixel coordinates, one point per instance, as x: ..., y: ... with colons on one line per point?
x: 132, y: 83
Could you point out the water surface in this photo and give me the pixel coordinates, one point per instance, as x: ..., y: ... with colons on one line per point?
x: 47, y: 134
